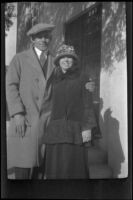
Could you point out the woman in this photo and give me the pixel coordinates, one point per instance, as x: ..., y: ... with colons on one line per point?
x: 71, y: 120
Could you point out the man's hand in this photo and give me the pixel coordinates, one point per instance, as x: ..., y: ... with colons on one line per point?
x: 20, y: 123
x: 86, y: 135
x: 90, y: 86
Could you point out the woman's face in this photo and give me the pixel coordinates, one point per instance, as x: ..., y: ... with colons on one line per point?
x: 66, y: 63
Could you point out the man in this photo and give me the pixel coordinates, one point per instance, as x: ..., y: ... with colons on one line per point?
x: 28, y: 86
x: 26, y: 82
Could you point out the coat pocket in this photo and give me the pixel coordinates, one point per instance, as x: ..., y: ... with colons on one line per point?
x: 28, y: 131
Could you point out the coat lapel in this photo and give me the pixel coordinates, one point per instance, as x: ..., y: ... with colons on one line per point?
x: 50, y: 67
x: 34, y: 60
x: 37, y: 66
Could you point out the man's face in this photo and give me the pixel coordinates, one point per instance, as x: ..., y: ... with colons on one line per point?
x: 41, y: 40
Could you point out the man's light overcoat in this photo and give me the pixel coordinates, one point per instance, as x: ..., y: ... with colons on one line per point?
x: 26, y: 89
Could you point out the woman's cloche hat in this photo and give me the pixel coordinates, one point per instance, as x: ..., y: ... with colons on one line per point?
x: 65, y: 51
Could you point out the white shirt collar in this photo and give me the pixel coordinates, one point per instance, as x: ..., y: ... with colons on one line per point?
x: 38, y: 51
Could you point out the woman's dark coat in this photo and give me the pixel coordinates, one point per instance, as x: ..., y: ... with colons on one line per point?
x: 72, y: 109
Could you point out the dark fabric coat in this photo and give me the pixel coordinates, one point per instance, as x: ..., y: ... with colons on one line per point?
x: 71, y: 109
x: 26, y: 88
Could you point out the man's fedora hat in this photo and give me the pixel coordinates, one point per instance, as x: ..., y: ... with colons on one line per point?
x: 41, y: 27
x: 65, y: 51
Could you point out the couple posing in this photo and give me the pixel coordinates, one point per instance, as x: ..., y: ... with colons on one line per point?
x: 51, y: 110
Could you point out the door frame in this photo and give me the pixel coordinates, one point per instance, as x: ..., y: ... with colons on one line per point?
x: 79, y: 15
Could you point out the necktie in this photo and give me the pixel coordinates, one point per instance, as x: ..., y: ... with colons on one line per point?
x: 43, y: 61
x: 42, y: 58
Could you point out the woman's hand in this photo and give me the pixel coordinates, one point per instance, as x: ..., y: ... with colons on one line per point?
x: 90, y: 86
x: 86, y: 135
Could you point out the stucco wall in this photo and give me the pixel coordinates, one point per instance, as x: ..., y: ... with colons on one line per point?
x: 113, y: 87
x: 113, y: 77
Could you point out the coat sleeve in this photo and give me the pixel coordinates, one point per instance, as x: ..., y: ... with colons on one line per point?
x: 13, y: 98
x: 89, y: 120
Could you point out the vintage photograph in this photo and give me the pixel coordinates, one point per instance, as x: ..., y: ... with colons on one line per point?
x: 66, y: 90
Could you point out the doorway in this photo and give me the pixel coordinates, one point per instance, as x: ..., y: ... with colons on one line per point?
x: 84, y: 33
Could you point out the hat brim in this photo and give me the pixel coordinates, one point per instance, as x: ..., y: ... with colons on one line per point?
x: 50, y: 29
x: 74, y: 56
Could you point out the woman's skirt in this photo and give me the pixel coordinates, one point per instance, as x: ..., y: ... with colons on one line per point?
x: 66, y: 161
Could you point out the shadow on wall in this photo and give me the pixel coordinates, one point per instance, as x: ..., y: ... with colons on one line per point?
x: 110, y: 141
x: 113, y: 34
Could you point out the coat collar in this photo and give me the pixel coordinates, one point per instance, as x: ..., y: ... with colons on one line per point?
x: 36, y: 63
x: 34, y: 59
